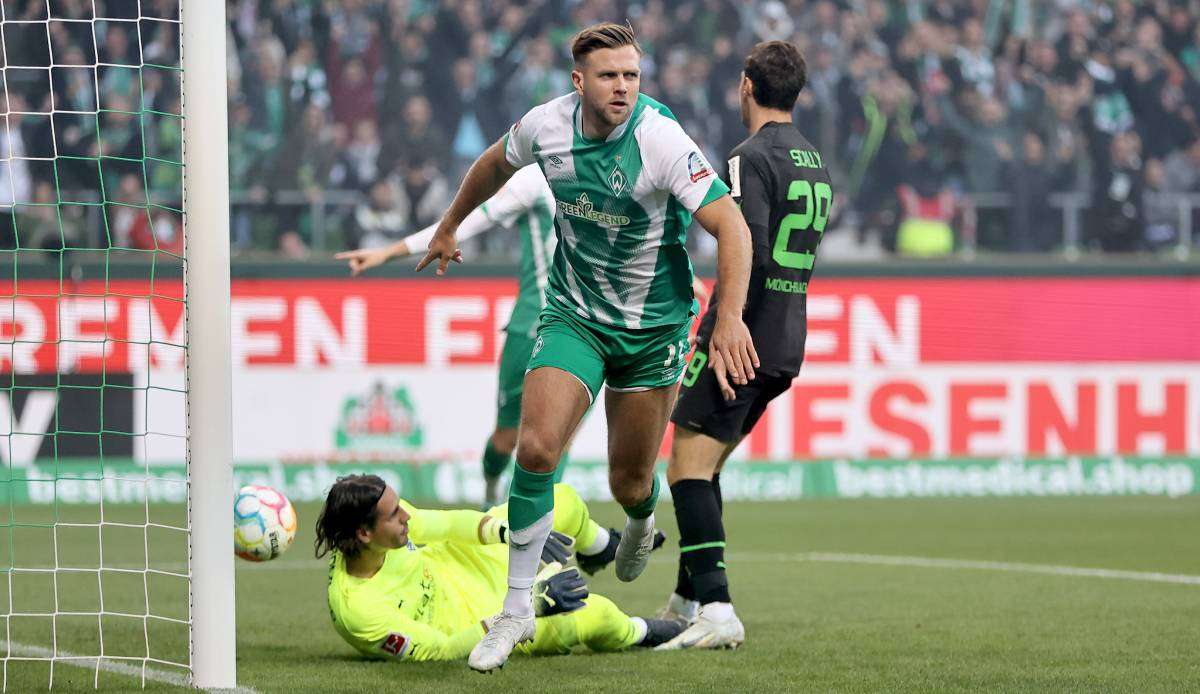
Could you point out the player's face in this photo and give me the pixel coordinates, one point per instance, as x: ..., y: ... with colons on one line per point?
x: 608, y: 80
x: 391, y: 523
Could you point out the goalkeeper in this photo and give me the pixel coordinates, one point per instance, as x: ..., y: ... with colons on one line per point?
x: 415, y: 584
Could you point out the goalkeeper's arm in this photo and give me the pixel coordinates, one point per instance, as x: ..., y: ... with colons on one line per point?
x: 476, y: 528
x: 395, y: 635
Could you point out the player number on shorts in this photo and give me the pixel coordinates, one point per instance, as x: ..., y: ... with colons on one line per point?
x: 677, y: 353
x: 695, y: 366
x: 817, y: 197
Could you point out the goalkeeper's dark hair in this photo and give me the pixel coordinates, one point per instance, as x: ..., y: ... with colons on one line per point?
x: 778, y: 74
x: 350, y: 505
x: 605, y: 35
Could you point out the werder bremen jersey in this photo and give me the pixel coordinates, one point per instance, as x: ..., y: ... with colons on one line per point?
x: 623, y: 206
x: 526, y: 203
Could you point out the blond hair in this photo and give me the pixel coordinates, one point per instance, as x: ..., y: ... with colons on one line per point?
x: 604, y: 35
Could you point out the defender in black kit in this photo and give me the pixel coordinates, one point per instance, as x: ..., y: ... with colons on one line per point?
x: 784, y: 190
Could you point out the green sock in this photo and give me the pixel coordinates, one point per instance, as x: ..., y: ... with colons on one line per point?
x: 494, y: 462
x: 644, y: 508
x: 530, y: 497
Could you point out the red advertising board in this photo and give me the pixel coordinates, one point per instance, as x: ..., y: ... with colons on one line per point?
x: 320, y: 323
x: 894, y: 367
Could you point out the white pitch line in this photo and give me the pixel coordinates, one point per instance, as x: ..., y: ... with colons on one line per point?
x: 120, y: 667
x: 873, y: 559
x: 1015, y: 567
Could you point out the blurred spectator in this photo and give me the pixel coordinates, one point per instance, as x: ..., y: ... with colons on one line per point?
x: 360, y: 157
x: 1162, y: 216
x: 157, y: 229
x: 1182, y: 169
x: 378, y: 219
x: 423, y: 193
x: 1033, y: 225
x: 1117, y: 213
x: 416, y: 135
x: 303, y: 165
x: 352, y: 93
x: 927, y: 207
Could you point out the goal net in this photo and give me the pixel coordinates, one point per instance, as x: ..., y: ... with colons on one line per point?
x: 98, y: 559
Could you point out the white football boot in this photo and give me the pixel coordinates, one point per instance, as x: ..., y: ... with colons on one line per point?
x: 716, y: 627
x: 679, y: 609
x: 505, y: 632
x: 633, y: 551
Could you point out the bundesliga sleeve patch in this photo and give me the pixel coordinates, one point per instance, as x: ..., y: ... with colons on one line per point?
x: 697, y: 167
x: 395, y: 645
x: 735, y: 177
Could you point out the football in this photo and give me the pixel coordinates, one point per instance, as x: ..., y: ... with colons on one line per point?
x: 264, y: 523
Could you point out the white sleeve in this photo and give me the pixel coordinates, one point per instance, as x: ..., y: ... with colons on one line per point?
x: 678, y: 165
x: 518, y: 142
x: 473, y: 224
x: 517, y: 197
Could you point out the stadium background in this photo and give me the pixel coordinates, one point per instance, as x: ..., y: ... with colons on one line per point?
x: 1030, y: 358
x: 1050, y: 351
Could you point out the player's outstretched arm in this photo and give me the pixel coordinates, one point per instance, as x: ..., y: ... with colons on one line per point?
x: 486, y: 176
x: 731, y: 350
x: 502, y: 209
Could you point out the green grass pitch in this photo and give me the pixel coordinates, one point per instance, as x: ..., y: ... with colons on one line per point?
x: 815, y: 620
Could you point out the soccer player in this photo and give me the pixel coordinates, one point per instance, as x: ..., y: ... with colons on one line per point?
x: 414, y: 584
x: 626, y: 180
x: 525, y: 203
x: 783, y: 188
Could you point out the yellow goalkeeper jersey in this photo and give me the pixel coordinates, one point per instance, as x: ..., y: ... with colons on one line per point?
x: 428, y: 599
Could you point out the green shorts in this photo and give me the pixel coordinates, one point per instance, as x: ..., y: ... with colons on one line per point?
x: 513, y: 359
x: 629, y: 360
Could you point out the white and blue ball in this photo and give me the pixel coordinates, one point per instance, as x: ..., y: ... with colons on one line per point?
x: 264, y: 523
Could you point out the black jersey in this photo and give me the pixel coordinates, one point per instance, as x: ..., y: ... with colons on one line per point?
x: 782, y: 186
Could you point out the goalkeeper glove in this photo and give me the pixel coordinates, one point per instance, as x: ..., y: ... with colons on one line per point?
x: 558, y: 548
x: 557, y: 590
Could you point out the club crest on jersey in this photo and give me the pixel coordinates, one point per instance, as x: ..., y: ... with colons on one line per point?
x: 617, y: 181
x: 697, y: 167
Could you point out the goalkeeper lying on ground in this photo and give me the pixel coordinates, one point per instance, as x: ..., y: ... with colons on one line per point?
x: 414, y: 584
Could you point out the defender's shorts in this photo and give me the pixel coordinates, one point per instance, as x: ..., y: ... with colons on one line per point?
x: 514, y: 357
x: 701, y: 407
x: 629, y: 360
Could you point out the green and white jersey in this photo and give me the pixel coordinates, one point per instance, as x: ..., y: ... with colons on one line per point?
x: 524, y: 203
x: 623, y: 206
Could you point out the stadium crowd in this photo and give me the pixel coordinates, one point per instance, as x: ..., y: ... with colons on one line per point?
x: 943, y: 120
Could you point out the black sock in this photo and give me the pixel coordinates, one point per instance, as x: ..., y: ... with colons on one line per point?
x: 683, y: 582
x: 701, y: 539
x: 717, y: 491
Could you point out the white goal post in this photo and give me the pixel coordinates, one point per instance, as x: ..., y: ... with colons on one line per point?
x: 209, y: 370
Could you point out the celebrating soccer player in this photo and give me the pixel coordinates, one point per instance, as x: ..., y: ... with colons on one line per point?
x: 526, y: 203
x: 778, y: 179
x: 390, y: 598
x: 626, y: 181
